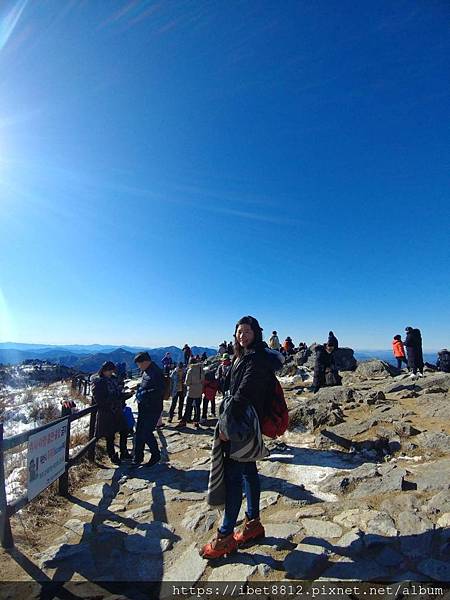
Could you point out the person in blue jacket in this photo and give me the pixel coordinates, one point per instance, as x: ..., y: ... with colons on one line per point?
x: 149, y: 398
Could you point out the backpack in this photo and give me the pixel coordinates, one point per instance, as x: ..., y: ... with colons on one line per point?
x: 276, y: 420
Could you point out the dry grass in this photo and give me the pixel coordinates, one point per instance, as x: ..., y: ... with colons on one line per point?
x: 45, y: 413
x: 79, y: 438
x: 78, y: 398
x: 48, y: 508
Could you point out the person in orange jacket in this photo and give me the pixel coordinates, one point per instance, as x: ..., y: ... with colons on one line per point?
x: 288, y: 345
x: 399, y: 351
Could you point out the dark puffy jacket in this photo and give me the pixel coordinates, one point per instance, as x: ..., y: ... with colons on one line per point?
x: 109, y: 399
x: 325, y: 364
x: 332, y: 340
x: 413, y: 345
x: 251, y: 379
x: 149, y: 395
x: 443, y: 361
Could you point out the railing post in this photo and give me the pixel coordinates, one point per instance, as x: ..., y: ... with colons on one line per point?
x: 91, y: 451
x: 63, y: 480
x: 85, y: 387
x: 6, y: 537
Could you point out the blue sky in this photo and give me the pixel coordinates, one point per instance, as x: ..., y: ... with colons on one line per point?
x: 167, y: 167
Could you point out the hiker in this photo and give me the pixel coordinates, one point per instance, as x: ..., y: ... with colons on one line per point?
x: 443, y: 361
x: 223, y: 348
x: 325, y: 371
x: 288, y: 346
x: 177, y: 379
x: 222, y: 372
x: 332, y: 340
x: 230, y: 349
x: 121, y: 373
x: 204, y: 357
x: 149, y: 398
x: 166, y: 363
x: 187, y: 353
x: 251, y: 379
x: 210, y: 387
x: 166, y: 396
x: 194, y: 385
x: 108, y: 397
x: 399, y: 351
x: 68, y: 407
x: 413, y: 345
x: 274, y: 342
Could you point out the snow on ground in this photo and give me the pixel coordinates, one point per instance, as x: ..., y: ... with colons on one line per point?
x: 26, y: 409
x: 310, y: 468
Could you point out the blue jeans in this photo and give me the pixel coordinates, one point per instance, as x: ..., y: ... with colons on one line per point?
x: 234, y: 473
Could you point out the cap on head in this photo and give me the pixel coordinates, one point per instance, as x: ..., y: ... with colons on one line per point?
x: 142, y: 357
x: 225, y: 356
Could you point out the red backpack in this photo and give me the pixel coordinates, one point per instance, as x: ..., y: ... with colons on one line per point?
x: 276, y: 420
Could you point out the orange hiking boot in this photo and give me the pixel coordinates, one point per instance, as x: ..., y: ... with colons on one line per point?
x: 221, y: 545
x: 252, y: 531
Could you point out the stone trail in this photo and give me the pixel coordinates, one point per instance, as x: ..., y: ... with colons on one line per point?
x: 330, y: 512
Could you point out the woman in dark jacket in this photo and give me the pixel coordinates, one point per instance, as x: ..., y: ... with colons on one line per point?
x: 109, y: 399
x: 250, y: 380
x: 413, y: 345
x: 332, y: 340
x: 325, y: 371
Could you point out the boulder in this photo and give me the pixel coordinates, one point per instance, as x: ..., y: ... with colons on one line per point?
x: 233, y: 572
x: 344, y: 358
x: 318, y: 411
x: 439, y: 503
x: 321, y: 529
x: 409, y: 523
x: 433, y: 440
x: 188, y: 567
x: 375, y: 369
x: 306, y: 561
x: 436, y: 380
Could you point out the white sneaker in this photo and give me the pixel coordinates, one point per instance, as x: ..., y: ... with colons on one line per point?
x: 419, y: 374
x: 412, y: 376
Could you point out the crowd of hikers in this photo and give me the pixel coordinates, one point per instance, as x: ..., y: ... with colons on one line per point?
x: 252, y: 405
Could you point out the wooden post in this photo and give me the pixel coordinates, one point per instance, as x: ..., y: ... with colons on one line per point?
x: 6, y: 537
x: 63, y: 480
x: 91, y: 451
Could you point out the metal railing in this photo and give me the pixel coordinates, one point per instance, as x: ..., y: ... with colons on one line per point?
x: 8, y: 510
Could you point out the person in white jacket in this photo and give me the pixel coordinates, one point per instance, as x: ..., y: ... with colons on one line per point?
x: 194, y: 384
x: 274, y: 342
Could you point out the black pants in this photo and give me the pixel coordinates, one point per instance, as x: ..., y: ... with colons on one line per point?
x: 205, y: 407
x: 122, y: 443
x: 145, y: 426
x: 400, y: 360
x: 178, y: 397
x: 192, y: 402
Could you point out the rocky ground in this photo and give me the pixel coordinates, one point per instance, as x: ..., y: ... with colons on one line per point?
x: 358, y: 489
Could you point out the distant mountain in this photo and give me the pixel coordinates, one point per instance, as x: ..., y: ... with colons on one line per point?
x: 387, y: 356
x: 72, y: 348
x: 93, y: 362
